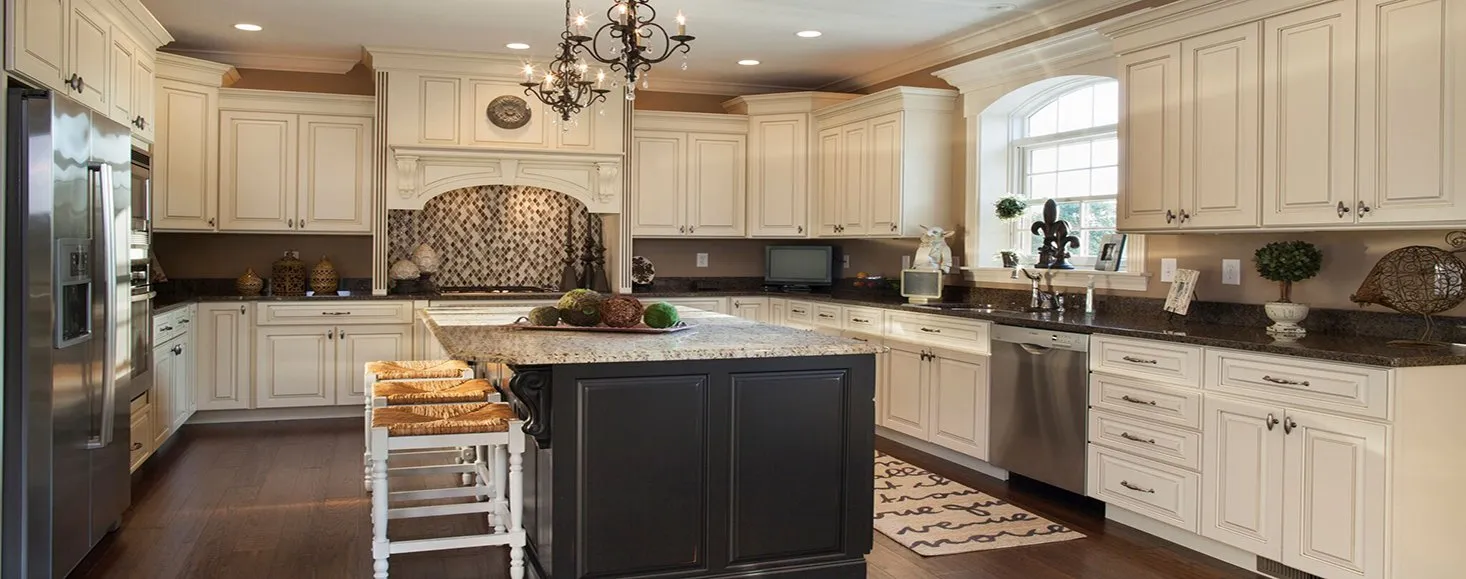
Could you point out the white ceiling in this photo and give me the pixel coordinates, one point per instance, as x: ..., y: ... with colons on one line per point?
x: 860, y: 36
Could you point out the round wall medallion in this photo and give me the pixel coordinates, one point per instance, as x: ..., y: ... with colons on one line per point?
x: 508, y: 112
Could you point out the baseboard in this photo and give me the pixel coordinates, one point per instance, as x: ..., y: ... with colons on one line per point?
x: 942, y: 452
x: 1214, y: 549
x: 271, y: 414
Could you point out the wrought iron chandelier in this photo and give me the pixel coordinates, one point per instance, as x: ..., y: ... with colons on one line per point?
x: 636, y: 41
x: 566, y: 86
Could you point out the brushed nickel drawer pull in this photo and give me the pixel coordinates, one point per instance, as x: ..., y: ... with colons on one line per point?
x: 1128, y: 436
x: 826, y: 316
x: 1136, y: 488
x: 137, y: 446
x: 1127, y: 398
x: 860, y: 320
x: 335, y: 313
x: 1271, y: 421
x: 1285, y: 382
x: 165, y: 329
x: 931, y: 331
x: 1134, y: 360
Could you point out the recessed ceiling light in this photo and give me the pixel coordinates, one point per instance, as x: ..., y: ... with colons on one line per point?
x: 809, y: 34
x: 748, y: 62
x: 1001, y: 7
x: 249, y: 27
x: 517, y: 46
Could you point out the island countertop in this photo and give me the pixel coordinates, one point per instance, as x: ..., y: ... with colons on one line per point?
x: 481, y: 335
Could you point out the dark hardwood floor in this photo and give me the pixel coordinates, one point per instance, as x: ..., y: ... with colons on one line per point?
x: 284, y: 500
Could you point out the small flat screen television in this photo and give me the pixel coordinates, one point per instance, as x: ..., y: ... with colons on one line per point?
x: 799, y: 265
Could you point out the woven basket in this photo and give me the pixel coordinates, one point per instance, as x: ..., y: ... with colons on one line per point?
x: 287, y: 277
x: 324, y: 279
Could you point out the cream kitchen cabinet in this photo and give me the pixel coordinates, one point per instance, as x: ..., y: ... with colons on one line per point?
x: 778, y: 175
x: 130, y: 85
x: 144, y: 96
x: 752, y: 309
x: 225, y: 357
x: 166, y: 368
x: 885, y: 163
x: 295, y: 366
x: 37, y: 32
x: 89, y: 51
x: 778, y: 311
x: 937, y: 395
x: 186, y: 146
x: 715, y: 305
x: 689, y: 183
x: 906, y: 407
x: 1150, y: 138
x: 358, y: 345
x: 284, y: 168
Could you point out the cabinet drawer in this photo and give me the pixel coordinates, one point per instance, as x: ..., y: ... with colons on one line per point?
x: 171, y: 325
x: 864, y: 320
x: 1317, y: 385
x: 337, y: 312
x: 799, y: 313
x: 1165, y: 404
x: 943, y: 332
x: 827, y: 316
x: 1176, y: 364
x: 1147, y: 439
x: 1162, y: 492
x: 140, y: 438
x: 139, y: 404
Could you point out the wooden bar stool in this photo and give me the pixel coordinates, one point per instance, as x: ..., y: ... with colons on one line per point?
x: 478, y: 425
x: 414, y: 371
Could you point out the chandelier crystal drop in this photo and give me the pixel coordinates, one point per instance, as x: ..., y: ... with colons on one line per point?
x: 633, y: 41
x: 566, y: 86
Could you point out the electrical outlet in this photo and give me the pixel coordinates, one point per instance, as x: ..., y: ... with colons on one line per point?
x: 1168, y: 269
x: 702, y: 260
x: 1232, y: 272
x: 294, y: 254
x: 905, y: 262
x: 846, y: 258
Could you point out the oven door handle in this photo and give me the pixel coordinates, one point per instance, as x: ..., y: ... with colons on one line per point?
x: 141, y: 297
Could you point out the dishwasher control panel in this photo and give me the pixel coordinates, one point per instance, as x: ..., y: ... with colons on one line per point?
x: 1042, y: 338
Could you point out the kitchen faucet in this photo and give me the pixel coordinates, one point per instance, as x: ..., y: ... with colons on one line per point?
x: 1041, y: 300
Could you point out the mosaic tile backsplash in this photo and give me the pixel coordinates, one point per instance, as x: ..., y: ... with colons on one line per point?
x: 495, y: 235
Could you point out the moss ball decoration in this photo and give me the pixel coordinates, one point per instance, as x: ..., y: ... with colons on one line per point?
x: 1288, y: 262
x: 544, y: 316
x: 661, y: 315
x: 580, y: 307
x: 621, y: 311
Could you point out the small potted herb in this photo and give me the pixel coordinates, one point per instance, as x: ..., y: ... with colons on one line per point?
x: 1287, y: 262
x: 1011, y: 208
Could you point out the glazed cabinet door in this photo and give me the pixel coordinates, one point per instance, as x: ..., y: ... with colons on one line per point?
x: 716, y: 172
x: 1221, y: 96
x: 885, y: 175
x: 752, y: 309
x: 181, y: 388
x: 224, y: 363
x: 1150, y: 139
x: 185, y: 158
x: 258, y: 160
x: 778, y: 176
x: 335, y: 194
x: 831, y: 181
x: 90, y: 53
x: 37, y: 34
x: 959, y: 403
x: 1242, y: 468
x: 659, y: 184
x: 1412, y: 91
x: 295, y: 366
x: 1308, y: 60
x: 907, y: 406
x: 1334, y: 496
x: 121, y: 62
x: 358, y: 345
x: 162, y: 392
x: 144, y: 101
x: 855, y: 174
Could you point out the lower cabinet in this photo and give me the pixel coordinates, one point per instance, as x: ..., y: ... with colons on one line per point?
x: 754, y: 309
x: 321, y: 365
x: 171, y: 398
x: 225, y: 360
x: 715, y: 305
x: 141, y: 439
x: 937, y: 395
x: 778, y: 311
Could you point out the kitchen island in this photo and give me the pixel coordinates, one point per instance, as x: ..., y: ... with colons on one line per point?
x: 733, y: 449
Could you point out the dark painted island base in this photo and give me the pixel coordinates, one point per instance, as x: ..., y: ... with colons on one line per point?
x: 710, y: 468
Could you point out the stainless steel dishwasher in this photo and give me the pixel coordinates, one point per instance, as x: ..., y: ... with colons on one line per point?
x: 1039, y: 403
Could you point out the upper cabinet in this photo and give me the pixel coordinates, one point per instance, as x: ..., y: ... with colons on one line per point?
x: 186, y: 149
x: 1350, y: 104
x: 688, y: 175
x: 782, y: 169
x: 95, y: 51
x: 294, y: 162
x: 885, y: 163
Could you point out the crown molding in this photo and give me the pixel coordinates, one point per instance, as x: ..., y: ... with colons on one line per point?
x: 802, y: 102
x: 187, y: 69
x: 143, y: 22
x: 296, y: 102
x: 982, y: 38
x: 285, y: 62
x: 1057, y: 53
x: 693, y: 122
x: 717, y: 87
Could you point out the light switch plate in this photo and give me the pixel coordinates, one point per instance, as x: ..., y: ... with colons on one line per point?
x: 905, y: 262
x: 1232, y: 272
x: 1168, y: 269
x: 846, y: 257
x: 702, y: 260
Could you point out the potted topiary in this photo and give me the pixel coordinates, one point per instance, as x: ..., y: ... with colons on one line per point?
x: 1011, y: 208
x: 1287, y: 262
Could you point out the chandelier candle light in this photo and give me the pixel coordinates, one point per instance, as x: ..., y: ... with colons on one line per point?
x: 633, y: 36
x: 565, y: 86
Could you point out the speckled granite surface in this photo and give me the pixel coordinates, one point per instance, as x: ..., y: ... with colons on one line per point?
x: 478, y: 335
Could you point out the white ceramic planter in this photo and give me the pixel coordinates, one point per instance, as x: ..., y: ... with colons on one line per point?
x: 1285, y: 317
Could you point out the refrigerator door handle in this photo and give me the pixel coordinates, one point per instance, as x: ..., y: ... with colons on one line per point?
x: 102, y: 188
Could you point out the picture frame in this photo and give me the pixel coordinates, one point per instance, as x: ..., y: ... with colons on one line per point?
x: 1183, y: 289
x: 1111, y: 252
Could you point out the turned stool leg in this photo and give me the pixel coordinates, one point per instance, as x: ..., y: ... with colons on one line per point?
x: 516, y: 504
x: 501, y: 487
x: 381, y: 548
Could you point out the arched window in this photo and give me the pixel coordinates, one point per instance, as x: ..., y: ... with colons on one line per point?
x: 1064, y: 147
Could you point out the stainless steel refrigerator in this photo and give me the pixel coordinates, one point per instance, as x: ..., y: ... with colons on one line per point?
x: 66, y: 344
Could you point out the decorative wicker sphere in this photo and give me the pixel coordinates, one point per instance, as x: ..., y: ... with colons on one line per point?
x: 404, y: 270
x: 1415, y: 280
x: 621, y: 311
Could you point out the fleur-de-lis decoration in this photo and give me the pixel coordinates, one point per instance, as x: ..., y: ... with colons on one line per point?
x: 1057, y: 242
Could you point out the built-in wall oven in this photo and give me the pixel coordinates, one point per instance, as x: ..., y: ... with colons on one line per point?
x: 140, y: 238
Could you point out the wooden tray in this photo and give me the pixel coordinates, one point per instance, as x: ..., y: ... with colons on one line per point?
x: 640, y: 329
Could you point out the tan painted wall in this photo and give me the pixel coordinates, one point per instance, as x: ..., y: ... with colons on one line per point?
x: 745, y: 257
x: 680, y: 102
x: 356, y: 81
x: 226, y: 255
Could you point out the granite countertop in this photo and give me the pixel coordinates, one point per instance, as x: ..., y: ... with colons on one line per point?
x: 479, y: 335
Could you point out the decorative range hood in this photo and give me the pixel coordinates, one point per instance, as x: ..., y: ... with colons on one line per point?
x: 425, y: 172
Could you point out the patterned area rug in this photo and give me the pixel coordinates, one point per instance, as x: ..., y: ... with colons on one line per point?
x: 935, y: 516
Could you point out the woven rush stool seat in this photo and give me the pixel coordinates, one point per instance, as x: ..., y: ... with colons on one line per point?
x: 438, y: 419
x: 417, y: 369
x: 402, y: 392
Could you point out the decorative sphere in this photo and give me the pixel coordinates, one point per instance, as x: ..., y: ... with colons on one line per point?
x: 621, y: 311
